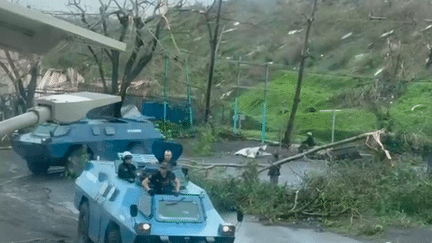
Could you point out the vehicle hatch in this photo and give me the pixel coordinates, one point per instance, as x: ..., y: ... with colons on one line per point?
x: 179, y: 209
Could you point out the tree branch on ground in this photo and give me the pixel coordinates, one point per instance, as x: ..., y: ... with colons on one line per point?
x: 348, y: 140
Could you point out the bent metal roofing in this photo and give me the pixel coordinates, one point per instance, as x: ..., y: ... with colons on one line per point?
x: 29, y: 31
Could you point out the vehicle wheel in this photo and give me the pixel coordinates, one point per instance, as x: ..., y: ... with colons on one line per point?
x: 83, y: 223
x: 37, y: 168
x: 113, y: 235
x: 75, y: 163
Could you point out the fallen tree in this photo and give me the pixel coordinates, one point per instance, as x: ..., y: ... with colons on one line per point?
x: 373, y: 143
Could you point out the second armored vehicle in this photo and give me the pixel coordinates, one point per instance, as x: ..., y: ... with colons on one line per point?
x: 56, y: 144
x: 115, y: 210
x: 52, y: 144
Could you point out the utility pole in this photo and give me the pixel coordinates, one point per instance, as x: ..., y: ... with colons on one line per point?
x: 289, y: 131
x: 213, y: 44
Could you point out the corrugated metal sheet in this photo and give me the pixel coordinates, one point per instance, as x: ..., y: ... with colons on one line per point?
x: 54, y: 81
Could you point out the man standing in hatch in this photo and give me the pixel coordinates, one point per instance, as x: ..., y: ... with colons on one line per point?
x: 164, y: 181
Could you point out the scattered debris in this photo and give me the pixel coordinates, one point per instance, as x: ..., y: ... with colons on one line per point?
x: 387, y: 34
x: 428, y: 27
x: 292, y: 32
x: 226, y: 94
x: 253, y: 152
x: 346, y: 36
x: 359, y: 56
x: 379, y: 71
x: 415, y: 107
x: 230, y: 30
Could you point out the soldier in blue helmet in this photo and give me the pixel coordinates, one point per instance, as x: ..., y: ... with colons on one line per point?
x: 164, y: 181
x: 126, y: 170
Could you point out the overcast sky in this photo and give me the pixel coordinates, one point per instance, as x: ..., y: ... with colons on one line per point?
x: 60, y: 5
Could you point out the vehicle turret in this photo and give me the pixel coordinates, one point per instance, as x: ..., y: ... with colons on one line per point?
x: 70, y: 131
x: 64, y: 108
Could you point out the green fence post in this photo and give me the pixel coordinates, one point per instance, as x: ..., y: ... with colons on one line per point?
x: 189, y: 96
x: 236, y: 98
x: 264, y: 105
x: 165, y: 87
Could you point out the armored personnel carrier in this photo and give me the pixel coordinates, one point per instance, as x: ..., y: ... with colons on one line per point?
x: 57, y: 143
x: 116, y: 210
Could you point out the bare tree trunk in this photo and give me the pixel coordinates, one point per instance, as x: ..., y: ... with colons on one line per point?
x: 289, y: 131
x: 100, y: 67
x: 31, y: 87
x: 115, y: 57
x: 213, y: 45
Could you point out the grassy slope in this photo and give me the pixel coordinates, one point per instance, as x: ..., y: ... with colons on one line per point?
x: 316, y: 93
x: 361, y: 54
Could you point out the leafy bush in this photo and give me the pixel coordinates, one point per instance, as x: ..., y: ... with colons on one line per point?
x: 173, y: 130
x: 206, y: 137
x: 246, y: 193
x: 369, y: 195
x: 353, y: 189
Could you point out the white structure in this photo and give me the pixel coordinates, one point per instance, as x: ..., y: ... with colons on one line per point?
x: 29, y: 31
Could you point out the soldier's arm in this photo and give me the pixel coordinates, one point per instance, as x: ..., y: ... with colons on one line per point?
x: 145, y: 184
x: 177, y: 184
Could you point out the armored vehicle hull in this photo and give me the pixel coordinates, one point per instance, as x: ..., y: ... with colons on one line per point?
x: 52, y: 144
x: 106, y: 204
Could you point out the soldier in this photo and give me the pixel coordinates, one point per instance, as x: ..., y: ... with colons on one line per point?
x: 168, y: 158
x: 274, y: 171
x: 310, y: 140
x: 309, y: 143
x: 126, y: 169
x: 162, y: 181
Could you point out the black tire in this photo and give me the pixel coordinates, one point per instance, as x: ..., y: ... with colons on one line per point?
x: 83, y: 223
x: 37, y: 168
x: 113, y: 235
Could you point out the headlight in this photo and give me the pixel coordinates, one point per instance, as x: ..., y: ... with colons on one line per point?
x: 144, y: 228
x: 227, y: 229
x: 46, y: 140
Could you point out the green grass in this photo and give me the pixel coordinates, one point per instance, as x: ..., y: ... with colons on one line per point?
x: 317, y: 94
x: 419, y: 119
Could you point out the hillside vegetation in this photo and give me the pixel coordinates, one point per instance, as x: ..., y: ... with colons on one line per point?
x: 372, y: 70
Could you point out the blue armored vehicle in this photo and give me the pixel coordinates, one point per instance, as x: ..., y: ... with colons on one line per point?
x: 64, y: 144
x: 116, y: 210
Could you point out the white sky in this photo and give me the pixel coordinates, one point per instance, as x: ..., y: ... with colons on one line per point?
x: 92, y: 5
